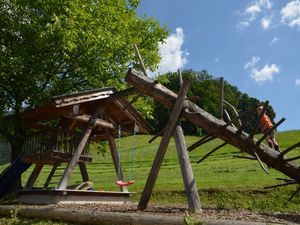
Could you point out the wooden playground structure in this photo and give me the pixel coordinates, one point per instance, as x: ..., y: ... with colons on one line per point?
x: 64, y: 128
x: 69, y: 122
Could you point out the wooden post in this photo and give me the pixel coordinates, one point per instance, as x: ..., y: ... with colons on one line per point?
x: 83, y: 171
x: 114, y: 154
x: 190, y: 186
x: 163, y: 146
x: 68, y: 171
x: 49, y: 178
x: 34, y: 175
x: 194, y: 204
x: 202, y: 141
x: 221, y: 98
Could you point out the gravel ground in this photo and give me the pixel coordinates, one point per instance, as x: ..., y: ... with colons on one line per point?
x: 233, y: 214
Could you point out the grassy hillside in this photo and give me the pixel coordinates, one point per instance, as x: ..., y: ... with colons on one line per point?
x: 223, y: 181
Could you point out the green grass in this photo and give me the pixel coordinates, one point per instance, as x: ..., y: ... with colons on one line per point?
x: 222, y: 180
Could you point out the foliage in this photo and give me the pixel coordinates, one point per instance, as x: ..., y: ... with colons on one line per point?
x: 53, y: 47
x: 205, y: 92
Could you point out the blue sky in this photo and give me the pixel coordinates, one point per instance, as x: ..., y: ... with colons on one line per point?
x: 254, y: 45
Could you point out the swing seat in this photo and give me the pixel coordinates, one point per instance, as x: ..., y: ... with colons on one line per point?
x: 122, y: 183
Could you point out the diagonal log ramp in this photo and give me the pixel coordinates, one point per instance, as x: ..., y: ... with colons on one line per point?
x: 215, y: 127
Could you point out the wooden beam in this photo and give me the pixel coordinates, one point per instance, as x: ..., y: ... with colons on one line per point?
x: 115, y: 157
x: 190, y: 186
x: 163, y: 146
x: 83, y: 171
x: 99, y: 122
x: 159, y: 133
x: 222, y: 98
x: 289, y: 149
x: 283, y: 184
x: 212, y: 151
x: 71, y: 165
x: 49, y: 178
x: 202, y: 141
x: 34, y: 175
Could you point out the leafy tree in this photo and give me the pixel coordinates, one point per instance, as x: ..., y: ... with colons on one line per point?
x: 53, y: 47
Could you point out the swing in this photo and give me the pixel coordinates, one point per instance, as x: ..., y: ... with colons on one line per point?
x: 120, y: 182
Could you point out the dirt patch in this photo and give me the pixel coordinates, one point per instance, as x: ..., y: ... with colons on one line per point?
x: 232, y: 214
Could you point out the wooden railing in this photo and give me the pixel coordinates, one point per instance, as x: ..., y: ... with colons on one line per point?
x: 53, y: 141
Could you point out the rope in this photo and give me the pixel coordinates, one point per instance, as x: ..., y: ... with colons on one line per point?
x: 133, y: 152
x: 119, y: 152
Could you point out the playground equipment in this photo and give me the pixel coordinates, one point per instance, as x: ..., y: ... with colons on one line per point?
x: 216, y: 128
x: 79, y: 118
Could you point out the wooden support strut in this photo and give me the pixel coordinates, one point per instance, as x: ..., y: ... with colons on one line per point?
x: 163, y: 146
x: 212, y: 151
x: 288, y: 150
x: 202, y: 141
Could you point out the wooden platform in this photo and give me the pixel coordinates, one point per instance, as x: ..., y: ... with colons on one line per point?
x: 41, y: 197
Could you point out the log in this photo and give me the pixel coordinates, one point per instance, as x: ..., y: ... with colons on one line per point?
x: 213, y: 125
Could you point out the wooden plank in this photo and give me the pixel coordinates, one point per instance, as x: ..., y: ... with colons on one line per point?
x: 99, y: 122
x: 202, y: 141
x: 212, y: 151
x: 49, y: 178
x: 71, y: 165
x: 191, y: 191
x: 163, y: 146
x: 34, y: 175
x: 83, y: 171
x: 222, y: 98
x: 289, y: 149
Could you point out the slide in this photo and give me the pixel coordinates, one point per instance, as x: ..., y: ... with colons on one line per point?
x: 11, y: 174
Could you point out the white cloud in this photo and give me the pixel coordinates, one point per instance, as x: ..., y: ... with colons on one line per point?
x: 265, y: 74
x: 274, y: 40
x: 290, y: 14
x: 252, y: 11
x: 297, y: 82
x: 252, y: 63
x: 265, y: 23
x: 172, y: 56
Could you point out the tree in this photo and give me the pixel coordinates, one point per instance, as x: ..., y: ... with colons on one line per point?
x: 53, y: 47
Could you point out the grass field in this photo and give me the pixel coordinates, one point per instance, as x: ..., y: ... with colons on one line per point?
x: 222, y: 180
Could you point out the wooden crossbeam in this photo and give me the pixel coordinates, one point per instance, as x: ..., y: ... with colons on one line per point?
x: 281, y: 185
x: 289, y: 149
x: 294, y: 194
x: 159, y: 133
x: 259, y: 161
x: 212, y: 151
x: 292, y: 159
x: 244, y: 157
x: 171, y: 124
x: 269, y: 131
x: 202, y: 141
